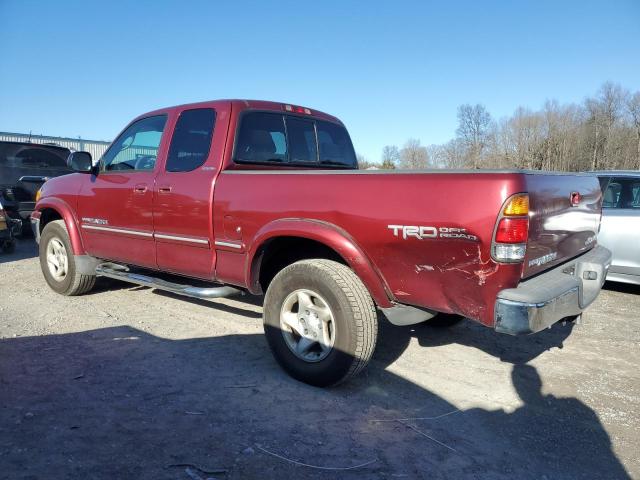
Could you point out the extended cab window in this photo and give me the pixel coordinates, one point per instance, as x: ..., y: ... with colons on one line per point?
x: 191, y: 140
x: 622, y: 192
x: 137, y: 147
x: 280, y: 138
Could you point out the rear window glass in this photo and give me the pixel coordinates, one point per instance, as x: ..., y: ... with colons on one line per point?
x: 191, y: 140
x: 33, y: 157
x: 622, y: 192
x: 302, y: 140
x: 262, y: 139
x: 277, y: 138
x: 335, y: 145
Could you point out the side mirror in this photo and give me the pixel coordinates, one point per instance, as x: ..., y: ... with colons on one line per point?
x: 80, y: 162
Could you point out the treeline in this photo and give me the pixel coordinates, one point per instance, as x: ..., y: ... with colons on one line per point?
x: 601, y: 133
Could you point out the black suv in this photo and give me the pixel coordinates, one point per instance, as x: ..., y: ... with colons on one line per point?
x: 24, y: 167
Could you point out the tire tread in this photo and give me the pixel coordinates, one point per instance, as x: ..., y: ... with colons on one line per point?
x: 363, y: 308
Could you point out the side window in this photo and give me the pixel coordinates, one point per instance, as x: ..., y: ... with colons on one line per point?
x: 302, y: 140
x: 622, y: 192
x: 262, y: 138
x: 191, y: 140
x: 137, y: 148
x: 611, y: 194
x: 335, y: 145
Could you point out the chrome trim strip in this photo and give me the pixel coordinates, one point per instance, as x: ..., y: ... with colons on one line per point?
x: 117, y: 230
x: 220, y: 243
x: 182, y: 239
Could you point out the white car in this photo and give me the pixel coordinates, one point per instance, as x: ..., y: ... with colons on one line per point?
x: 620, y: 227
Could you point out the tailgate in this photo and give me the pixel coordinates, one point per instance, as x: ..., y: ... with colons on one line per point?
x: 558, y: 229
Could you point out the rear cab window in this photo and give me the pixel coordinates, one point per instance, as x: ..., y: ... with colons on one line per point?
x: 622, y: 193
x: 274, y: 138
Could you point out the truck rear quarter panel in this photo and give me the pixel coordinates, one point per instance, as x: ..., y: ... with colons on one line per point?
x: 440, y: 272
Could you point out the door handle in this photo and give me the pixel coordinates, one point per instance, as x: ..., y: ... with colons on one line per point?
x: 140, y: 188
x: 164, y: 189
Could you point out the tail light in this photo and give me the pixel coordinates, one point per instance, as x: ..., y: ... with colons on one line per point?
x: 512, y: 230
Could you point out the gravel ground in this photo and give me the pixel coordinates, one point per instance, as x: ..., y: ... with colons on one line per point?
x: 128, y: 382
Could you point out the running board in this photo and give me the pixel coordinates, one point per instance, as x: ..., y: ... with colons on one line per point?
x: 122, y: 273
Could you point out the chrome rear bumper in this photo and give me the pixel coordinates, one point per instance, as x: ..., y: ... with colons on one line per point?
x: 549, y: 297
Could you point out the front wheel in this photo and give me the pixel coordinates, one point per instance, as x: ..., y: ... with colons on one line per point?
x: 58, y: 262
x: 320, y: 322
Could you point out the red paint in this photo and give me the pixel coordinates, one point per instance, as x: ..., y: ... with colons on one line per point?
x: 247, y: 206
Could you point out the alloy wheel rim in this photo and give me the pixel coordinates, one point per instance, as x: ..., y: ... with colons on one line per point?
x: 307, y: 325
x: 57, y: 260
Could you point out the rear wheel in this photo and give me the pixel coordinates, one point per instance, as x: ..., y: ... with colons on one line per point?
x: 320, y: 322
x: 58, y: 262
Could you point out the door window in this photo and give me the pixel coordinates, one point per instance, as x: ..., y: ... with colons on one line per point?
x: 622, y: 192
x: 136, y: 149
x: 191, y: 140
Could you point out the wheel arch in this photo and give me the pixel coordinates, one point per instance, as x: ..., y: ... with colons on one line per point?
x: 51, y: 209
x: 285, y: 241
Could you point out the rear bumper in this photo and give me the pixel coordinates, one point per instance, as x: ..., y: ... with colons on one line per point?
x: 562, y: 292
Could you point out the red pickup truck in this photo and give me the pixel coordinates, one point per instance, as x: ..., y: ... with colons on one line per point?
x: 217, y: 198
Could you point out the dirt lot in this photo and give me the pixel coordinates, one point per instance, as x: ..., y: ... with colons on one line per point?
x: 128, y: 382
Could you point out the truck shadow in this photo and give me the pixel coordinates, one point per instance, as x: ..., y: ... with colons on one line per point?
x: 121, y: 403
x: 24, y: 248
x: 516, y: 350
x: 622, y: 287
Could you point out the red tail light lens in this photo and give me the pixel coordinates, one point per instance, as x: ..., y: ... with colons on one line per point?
x: 512, y: 230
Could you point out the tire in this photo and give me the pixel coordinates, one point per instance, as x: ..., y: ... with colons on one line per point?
x: 351, y: 330
x: 66, y: 281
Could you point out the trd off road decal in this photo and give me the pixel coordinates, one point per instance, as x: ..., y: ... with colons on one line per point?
x: 425, y: 233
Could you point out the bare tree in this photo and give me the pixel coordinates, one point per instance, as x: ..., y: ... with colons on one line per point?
x: 603, y: 132
x: 413, y: 155
x: 633, y: 107
x: 604, y: 111
x: 473, y: 128
x: 390, y: 157
x: 363, y: 163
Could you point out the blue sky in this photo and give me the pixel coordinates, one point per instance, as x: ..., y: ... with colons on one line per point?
x: 390, y: 70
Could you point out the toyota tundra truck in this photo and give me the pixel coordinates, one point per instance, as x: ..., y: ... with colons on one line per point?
x: 219, y: 198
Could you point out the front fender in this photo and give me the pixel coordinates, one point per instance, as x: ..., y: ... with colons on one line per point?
x: 70, y: 220
x: 328, y: 234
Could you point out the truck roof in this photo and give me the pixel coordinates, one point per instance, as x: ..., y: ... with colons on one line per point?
x: 245, y: 104
x: 617, y: 173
